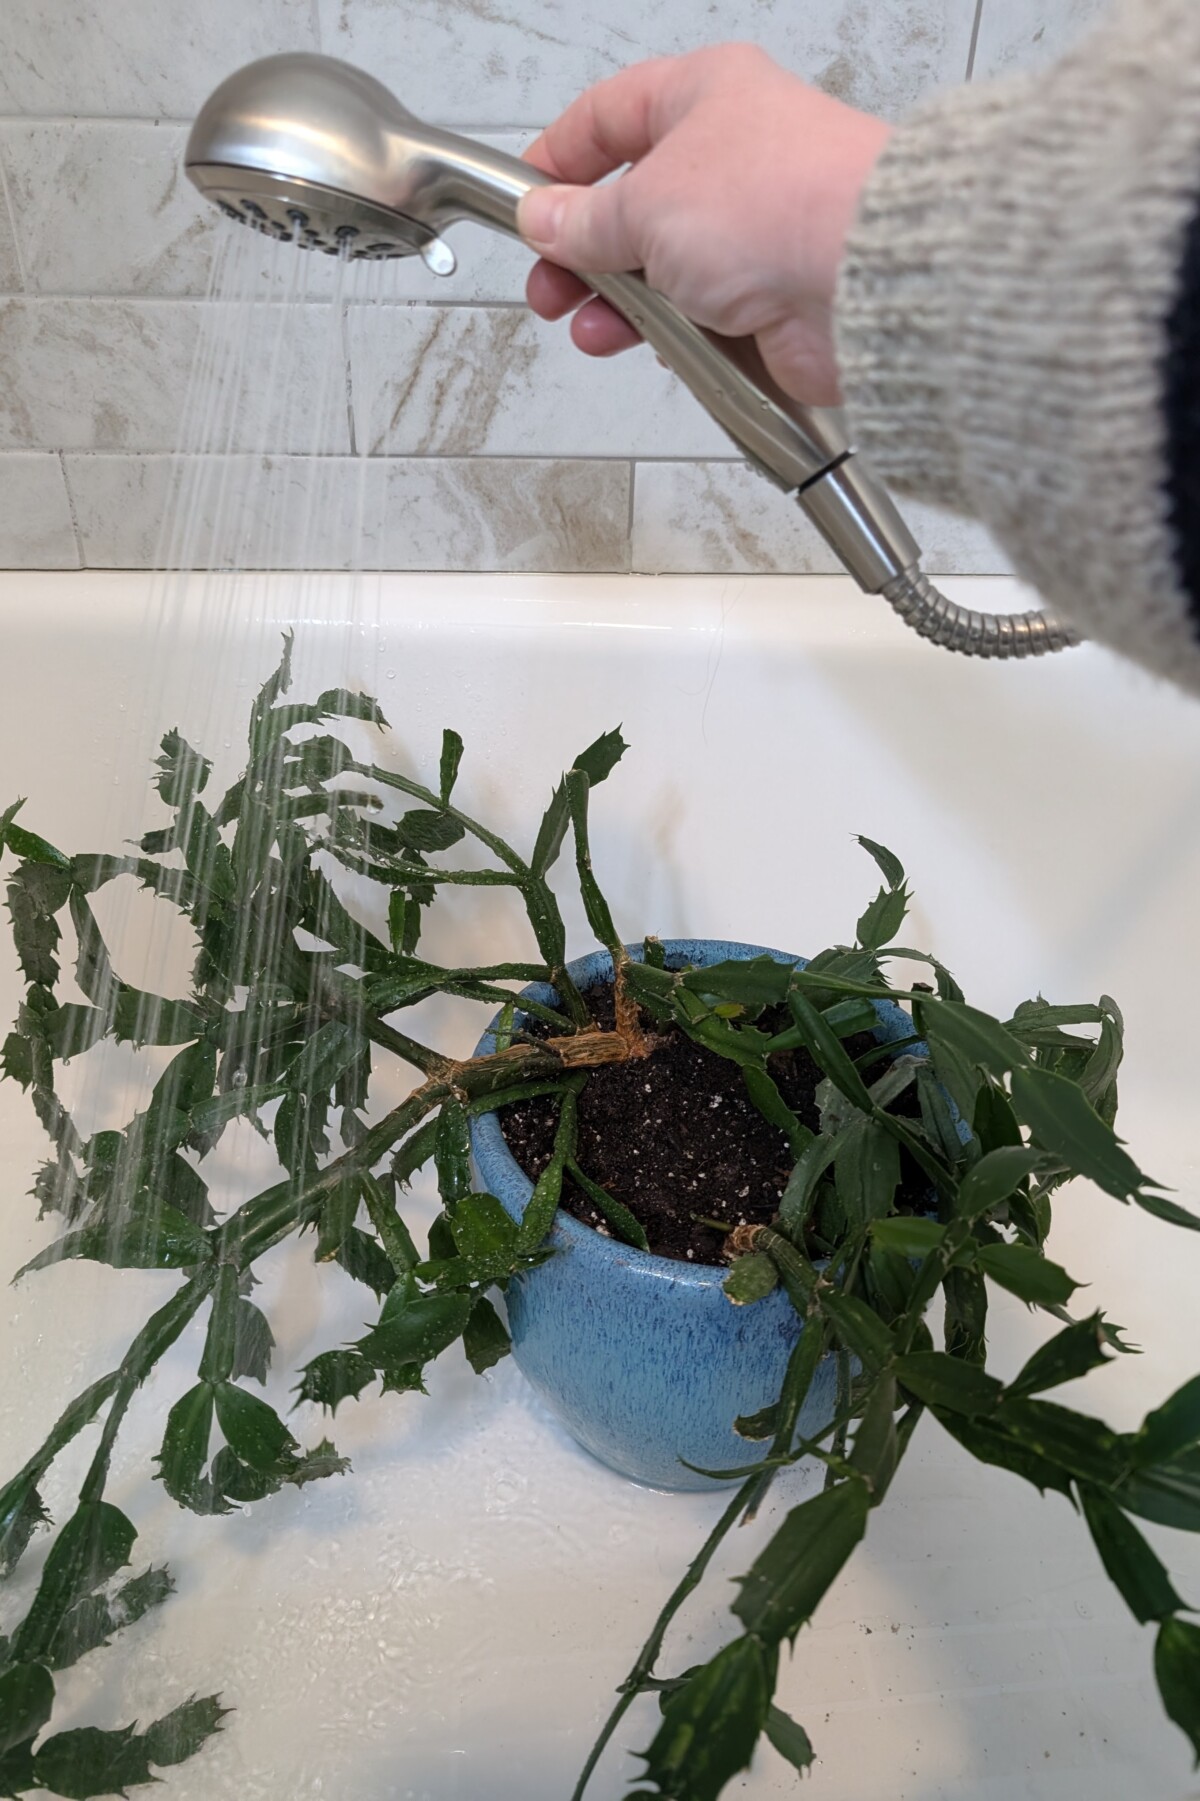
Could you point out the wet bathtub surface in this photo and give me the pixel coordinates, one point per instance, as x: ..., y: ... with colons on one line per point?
x: 446, y: 1623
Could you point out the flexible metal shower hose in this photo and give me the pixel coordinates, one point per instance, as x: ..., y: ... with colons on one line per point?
x: 932, y: 615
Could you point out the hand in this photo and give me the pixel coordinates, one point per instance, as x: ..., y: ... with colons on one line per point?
x: 742, y: 186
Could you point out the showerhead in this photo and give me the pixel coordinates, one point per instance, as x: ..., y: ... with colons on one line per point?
x: 311, y: 150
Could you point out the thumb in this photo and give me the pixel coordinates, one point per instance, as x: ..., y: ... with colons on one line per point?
x: 585, y: 229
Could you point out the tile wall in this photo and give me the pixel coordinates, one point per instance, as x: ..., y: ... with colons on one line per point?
x: 497, y: 446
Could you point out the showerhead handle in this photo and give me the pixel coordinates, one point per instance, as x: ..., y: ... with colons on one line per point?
x: 794, y: 446
x: 302, y: 137
x: 324, y: 154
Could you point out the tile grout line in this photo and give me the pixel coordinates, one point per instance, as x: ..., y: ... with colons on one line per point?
x: 170, y: 122
x: 401, y: 456
x: 150, y: 119
x: 198, y: 298
x: 62, y: 464
x: 348, y: 301
x: 976, y: 23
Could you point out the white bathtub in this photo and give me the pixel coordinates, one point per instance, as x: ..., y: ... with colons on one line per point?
x: 447, y: 1623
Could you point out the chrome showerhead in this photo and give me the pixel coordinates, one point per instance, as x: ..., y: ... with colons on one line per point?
x: 311, y: 150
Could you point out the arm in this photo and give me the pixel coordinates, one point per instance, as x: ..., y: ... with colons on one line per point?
x: 1018, y: 324
x: 1012, y: 278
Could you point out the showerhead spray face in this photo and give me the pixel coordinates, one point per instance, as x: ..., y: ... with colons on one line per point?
x: 309, y: 149
x: 312, y: 150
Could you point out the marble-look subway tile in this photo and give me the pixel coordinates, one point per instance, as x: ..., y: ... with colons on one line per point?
x: 724, y: 518
x: 144, y: 60
x: 524, y: 61
x: 104, y: 207
x: 506, y: 513
x: 115, y: 375
x: 446, y: 381
x: 35, y: 517
x: 10, y: 265
x: 719, y: 518
x: 212, y: 512
x: 1023, y: 34
x: 344, y: 512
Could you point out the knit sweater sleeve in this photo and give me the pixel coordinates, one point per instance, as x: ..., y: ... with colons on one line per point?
x: 1018, y: 322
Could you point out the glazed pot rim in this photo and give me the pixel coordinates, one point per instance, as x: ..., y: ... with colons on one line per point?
x: 570, y: 1233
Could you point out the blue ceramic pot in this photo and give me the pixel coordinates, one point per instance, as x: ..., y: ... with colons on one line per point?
x: 643, y: 1358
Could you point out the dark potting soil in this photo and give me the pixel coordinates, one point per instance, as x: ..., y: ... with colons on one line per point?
x: 676, y: 1134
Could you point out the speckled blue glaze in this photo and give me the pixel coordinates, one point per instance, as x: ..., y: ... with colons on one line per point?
x: 643, y: 1358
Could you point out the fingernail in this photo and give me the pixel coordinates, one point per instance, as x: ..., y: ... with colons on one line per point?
x: 540, y: 214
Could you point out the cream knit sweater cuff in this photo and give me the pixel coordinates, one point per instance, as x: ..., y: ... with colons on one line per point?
x: 1002, y: 318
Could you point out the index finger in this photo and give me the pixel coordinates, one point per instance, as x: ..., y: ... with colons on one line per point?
x: 612, y: 124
